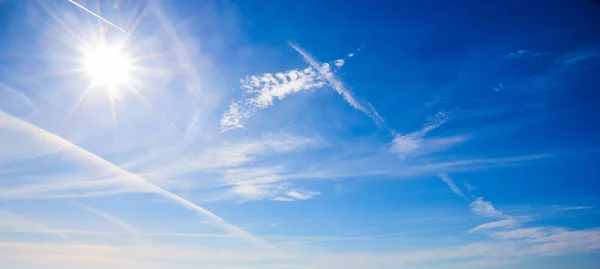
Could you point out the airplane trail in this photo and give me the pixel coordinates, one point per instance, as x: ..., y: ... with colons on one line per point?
x: 98, y: 16
x: 130, y: 179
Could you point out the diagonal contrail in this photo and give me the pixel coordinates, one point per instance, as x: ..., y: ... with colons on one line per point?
x: 10, y: 122
x: 337, y: 85
x: 98, y: 16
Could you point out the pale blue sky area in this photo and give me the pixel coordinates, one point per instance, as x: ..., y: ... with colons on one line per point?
x: 299, y: 134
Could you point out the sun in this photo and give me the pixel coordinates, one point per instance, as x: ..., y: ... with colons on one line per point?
x: 109, y: 67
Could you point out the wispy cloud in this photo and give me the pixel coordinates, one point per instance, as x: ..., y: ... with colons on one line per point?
x: 133, y: 256
x: 15, y: 101
x: 522, y: 53
x: 576, y: 57
x: 524, y: 244
x: 114, y: 233
x: 469, y: 186
x: 417, y: 144
x: 508, y: 223
x: 282, y: 192
x: 260, y: 92
x: 571, y: 208
x: 276, y: 192
x: 228, y: 157
x: 484, y: 208
x: 517, y: 54
x: 121, y: 223
x: 451, y: 185
x: 301, y: 195
x: 11, y: 222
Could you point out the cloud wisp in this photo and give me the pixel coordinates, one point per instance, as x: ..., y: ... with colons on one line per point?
x: 484, y: 208
x: 261, y: 91
x: 416, y: 144
x: 452, y: 185
x: 13, y: 222
x: 507, y: 223
x: 121, y: 223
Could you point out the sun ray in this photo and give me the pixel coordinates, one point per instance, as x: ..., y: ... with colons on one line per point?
x: 137, y: 19
x: 114, y: 118
x: 79, y: 100
x: 147, y: 103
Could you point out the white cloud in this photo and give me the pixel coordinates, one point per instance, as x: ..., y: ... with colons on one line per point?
x: 576, y: 57
x: 484, y: 208
x: 274, y: 192
x: 512, y: 248
x: 75, y: 255
x: 261, y: 91
x: 248, y: 192
x: 523, y: 233
x: 524, y: 54
x: 508, y: 223
x: 267, y: 87
x: 411, y: 145
x: 517, y: 54
x: 230, y: 155
x: 498, y: 87
x: 283, y: 199
x: 351, y: 54
x: 416, y: 144
x: 469, y: 186
x: 251, y: 184
x: 302, y: 195
x: 451, y: 185
x: 339, y: 62
x: 571, y: 208
x: 234, y: 117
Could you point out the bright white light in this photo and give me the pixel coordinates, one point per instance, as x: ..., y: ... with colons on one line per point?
x: 108, y: 66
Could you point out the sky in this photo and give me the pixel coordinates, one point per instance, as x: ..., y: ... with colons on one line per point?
x: 304, y: 134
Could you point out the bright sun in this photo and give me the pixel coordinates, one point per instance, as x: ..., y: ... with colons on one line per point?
x: 109, y: 67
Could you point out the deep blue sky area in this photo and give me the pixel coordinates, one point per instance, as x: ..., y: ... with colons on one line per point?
x: 299, y: 134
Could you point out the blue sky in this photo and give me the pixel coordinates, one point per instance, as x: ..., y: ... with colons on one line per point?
x: 306, y: 134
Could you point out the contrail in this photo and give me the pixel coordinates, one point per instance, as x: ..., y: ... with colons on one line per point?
x: 6, y: 216
x: 337, y: 85
x: 131, y: 179
x: 126, y: 226
x: 98, y: 16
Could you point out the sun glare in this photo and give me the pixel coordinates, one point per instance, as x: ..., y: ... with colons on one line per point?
x: 108, y: 66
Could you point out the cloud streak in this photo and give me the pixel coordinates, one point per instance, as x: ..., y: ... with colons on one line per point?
x: 261, y: 91
x: 416, y: 143
x: 508, y: 223
x: 451, y: 185
x: 13, y: 222
x: 121, y: 223
x: 484, y: 208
